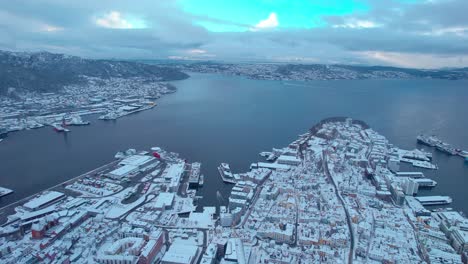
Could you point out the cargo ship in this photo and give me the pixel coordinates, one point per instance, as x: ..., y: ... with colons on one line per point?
x: 431, y: 141
x: 441, y: 146
x: 226, y: 174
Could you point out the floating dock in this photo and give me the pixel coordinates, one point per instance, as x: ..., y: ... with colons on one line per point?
x: 434, y: 200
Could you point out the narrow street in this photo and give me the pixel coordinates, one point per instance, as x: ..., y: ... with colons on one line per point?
x: 348, y: 218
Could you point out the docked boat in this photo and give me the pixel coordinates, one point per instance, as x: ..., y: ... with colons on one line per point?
x: 441, y: 146
x: 431, y: 141
x: 463, y: 153
x: 59, y: 128
x: 194, y: 175
x: 446, y: 148
x: 202, y: 180
x: 226, y: 174
x: 425, y: 182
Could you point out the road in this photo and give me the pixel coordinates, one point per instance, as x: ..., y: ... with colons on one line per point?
x: 348, y: 218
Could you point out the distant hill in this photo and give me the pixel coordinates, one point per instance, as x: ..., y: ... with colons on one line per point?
x: 277, y: 71
x: 44, y: 71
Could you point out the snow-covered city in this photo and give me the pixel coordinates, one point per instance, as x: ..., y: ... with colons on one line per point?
x: 109, y: 98
x: 334, y: 195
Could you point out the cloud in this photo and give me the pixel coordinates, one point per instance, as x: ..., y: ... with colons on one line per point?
x: 391, y: 32
x: 356, y: 23
x: 50, y: 28
x: 113, y: 19
x: 415, y: 60
x: 268, y: 23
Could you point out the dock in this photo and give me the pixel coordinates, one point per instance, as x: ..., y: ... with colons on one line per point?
x: 434, y: 200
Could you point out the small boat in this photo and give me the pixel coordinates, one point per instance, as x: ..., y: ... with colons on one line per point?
x: 202, y: 180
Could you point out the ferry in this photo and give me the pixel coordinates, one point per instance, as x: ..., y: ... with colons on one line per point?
x: 194, y: 175
x: 434, y: 200
x: 226, y: 174
x: 425, y: 182
x: 424, y: 165
x: 431, y: 141
x: 463, y: 153
x: 446, y: 148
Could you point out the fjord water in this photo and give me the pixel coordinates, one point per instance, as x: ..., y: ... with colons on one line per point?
x: 217, y: 118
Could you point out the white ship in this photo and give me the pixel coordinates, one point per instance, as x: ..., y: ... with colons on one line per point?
x: 226, y: 174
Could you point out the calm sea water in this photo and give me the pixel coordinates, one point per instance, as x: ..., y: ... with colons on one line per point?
x: 216, y: 118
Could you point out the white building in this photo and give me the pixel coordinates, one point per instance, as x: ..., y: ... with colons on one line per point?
x: 44, y: 200
x: 288, y: 160
x: 410, y: 186
x: 139, y: 161
x: 181, y: 252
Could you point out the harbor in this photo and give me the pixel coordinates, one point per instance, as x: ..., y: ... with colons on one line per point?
x: 151, y: 190
x: 59, y: 153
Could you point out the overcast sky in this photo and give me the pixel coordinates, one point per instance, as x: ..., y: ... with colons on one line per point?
x: 407, y: 33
